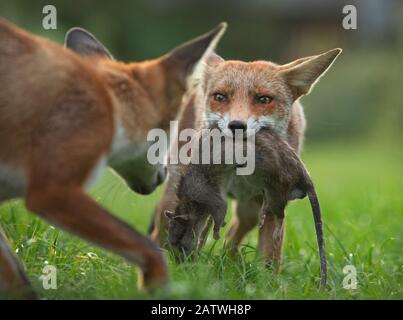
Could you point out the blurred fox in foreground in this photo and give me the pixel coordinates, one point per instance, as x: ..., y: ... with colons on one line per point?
x: 247, y: 96
x: 67, y: 112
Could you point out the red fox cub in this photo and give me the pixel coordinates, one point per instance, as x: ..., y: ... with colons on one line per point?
x: 67, y: 112
x: 247, y: 96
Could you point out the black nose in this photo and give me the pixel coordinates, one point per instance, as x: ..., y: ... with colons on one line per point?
x: 237, y: 125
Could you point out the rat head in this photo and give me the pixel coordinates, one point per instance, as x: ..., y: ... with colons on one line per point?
x: 253, y: 95
x: 184, y: 229
x: 147, y: 94
x: 197, y: 201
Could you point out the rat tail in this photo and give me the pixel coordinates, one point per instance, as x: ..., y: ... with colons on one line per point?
x: 313, y: 199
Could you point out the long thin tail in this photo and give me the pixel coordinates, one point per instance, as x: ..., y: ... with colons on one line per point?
x: 313, y: 199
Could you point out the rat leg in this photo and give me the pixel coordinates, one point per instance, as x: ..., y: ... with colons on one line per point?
x: 204, y: 234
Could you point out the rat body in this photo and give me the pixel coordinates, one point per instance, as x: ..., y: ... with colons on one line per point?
x: 280, y: 176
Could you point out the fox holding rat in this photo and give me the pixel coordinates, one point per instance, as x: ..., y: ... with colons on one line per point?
x: 66, y: 112
x: 247, y: 96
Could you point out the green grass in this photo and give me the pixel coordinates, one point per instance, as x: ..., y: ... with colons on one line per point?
x: 360, y: 189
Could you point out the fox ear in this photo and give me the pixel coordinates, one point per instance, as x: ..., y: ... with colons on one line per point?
x: 302, y: 74
x: 213, y: 59
x: 183, y: 60
x: 85, y: 44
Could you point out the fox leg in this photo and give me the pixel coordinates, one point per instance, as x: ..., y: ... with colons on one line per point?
x: 271, y: 235
x: 13, y: 282
x: 244, y: 220
x: 71, y: 209
x: 60, y: 162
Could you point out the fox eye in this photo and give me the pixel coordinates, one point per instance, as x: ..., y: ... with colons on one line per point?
x: 219, y: 97
x: 264, y: 99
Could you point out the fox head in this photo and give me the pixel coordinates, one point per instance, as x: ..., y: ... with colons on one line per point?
x: 146, y: 94
x: 252, y: 95
x: 154, y: 87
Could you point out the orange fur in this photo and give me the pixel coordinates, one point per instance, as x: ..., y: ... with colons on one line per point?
x: 62, y: 113
x: 240, y: 85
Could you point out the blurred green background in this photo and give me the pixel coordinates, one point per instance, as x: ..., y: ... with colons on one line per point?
x: 353, y: 146
x: 361, y: 97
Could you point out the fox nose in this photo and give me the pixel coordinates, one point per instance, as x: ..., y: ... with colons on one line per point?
x: 237, y: 125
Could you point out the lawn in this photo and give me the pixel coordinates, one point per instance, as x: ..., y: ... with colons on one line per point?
x: 360, y: 189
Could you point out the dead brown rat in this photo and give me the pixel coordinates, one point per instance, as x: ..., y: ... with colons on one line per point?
x: 280, y: 176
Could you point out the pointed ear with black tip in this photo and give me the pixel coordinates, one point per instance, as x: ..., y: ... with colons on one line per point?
x: 302, y: 74
x: 183, y: 60
x: 85, y: 44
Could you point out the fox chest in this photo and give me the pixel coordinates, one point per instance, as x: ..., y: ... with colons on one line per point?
x: 130, y: 160
x: 131, y: 157
x: 124, y: 156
